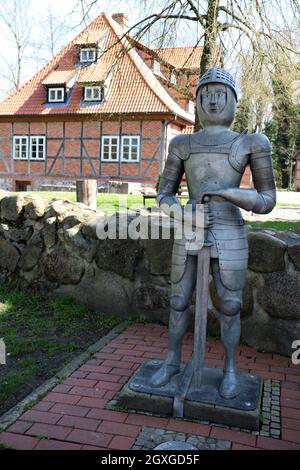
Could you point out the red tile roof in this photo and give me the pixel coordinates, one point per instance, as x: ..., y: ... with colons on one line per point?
x: 89, y: 37
x: 59, y: 77
x: 181, y: 57
x: 134, y: 88
x: 185, y: 57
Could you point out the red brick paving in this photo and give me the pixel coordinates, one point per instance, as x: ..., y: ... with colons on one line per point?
x: 73, y: 415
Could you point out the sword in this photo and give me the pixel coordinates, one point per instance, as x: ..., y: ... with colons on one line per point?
x: 194, y: 367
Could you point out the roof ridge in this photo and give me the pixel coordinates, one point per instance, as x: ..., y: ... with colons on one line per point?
x: 147, y: 73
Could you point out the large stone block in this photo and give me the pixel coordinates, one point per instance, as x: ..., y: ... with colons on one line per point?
x: 63, y: 267
x: 9, y: 255
x: 152, y: 302
x: 292, y: 241
x: 34, y: 207
x: 15, y: 234
x: 68, y: 212
x: 266, y: 252
x: 32, y: 253
x: 73, y: 239
x: 158, y: 256
x: 119, y: 256
x: 101, y: 291
x: 280, y: 296
x: 270, y: 334
x: 12, y: 207
x: 89, y: 227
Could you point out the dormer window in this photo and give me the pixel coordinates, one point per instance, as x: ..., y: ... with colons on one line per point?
x: 88, y: 54
x: 156, y: 67
x: 173, y: 78
x: 56, y: 95
x: 93, y: 93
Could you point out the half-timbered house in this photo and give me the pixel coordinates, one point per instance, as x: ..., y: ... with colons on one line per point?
x: 104, y: 108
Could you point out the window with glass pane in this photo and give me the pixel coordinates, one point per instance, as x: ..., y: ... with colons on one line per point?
x: 134, y: 149
x: 88, y: 93
x: 37, y: 148
x: 93, y: 93
x: 56, y: 95
x: 20, y: 147
x: 110, y: 148
x: 130, y: 149
x: 88, y: 55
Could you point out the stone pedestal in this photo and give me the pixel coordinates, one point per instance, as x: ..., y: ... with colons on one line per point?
x: 204, y: 404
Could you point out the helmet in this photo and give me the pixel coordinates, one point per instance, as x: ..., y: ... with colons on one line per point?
x: 217, y: 75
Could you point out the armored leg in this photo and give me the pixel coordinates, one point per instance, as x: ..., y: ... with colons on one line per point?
x: 230, y: 305
x: 180, y: 299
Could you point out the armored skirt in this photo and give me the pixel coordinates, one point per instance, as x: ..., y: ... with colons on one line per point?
x: 230, y: 246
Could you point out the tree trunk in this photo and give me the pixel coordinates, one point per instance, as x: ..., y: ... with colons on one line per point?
x: 210, y: 36
x: 86, y: 192
x: 210, y: 42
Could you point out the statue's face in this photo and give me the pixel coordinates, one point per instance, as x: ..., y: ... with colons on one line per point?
x: 216, y: 105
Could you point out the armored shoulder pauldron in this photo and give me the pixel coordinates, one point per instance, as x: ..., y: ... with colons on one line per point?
x: 236, y: 159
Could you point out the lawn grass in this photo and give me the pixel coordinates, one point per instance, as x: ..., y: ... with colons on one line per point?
x: 41, y: 335
x: 283, y: 225
x: 285, y: 204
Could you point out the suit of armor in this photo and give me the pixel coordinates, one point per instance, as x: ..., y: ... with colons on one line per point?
x: 213, y: 161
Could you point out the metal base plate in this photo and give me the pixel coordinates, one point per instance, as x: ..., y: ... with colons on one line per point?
x: 247, y: 400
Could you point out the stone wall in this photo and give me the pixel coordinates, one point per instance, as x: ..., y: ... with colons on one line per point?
x: 54, y: 248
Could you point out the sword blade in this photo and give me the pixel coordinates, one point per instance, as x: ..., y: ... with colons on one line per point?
x: 203, y: 264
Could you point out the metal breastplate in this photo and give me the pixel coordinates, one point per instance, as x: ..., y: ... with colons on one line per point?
x: 209, y: 168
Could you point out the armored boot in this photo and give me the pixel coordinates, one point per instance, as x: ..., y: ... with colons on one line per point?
x: 230, y: 333
x: 177, y: 328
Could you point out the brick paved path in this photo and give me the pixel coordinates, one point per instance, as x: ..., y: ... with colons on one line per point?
x: 74, y: 415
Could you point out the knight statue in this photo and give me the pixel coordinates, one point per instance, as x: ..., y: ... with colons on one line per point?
x: 213, y: 161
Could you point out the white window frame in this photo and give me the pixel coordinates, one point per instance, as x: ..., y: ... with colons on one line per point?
x: 103, y: 143
x: 23, y: 141
x: 173, y: 78
x: 87, y: 50
x: 31, y: 143
x: 191, y: 107
x: 56, y: 91
x: 93, y: 88
x: 156, y: 67
x: 130, y: 159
